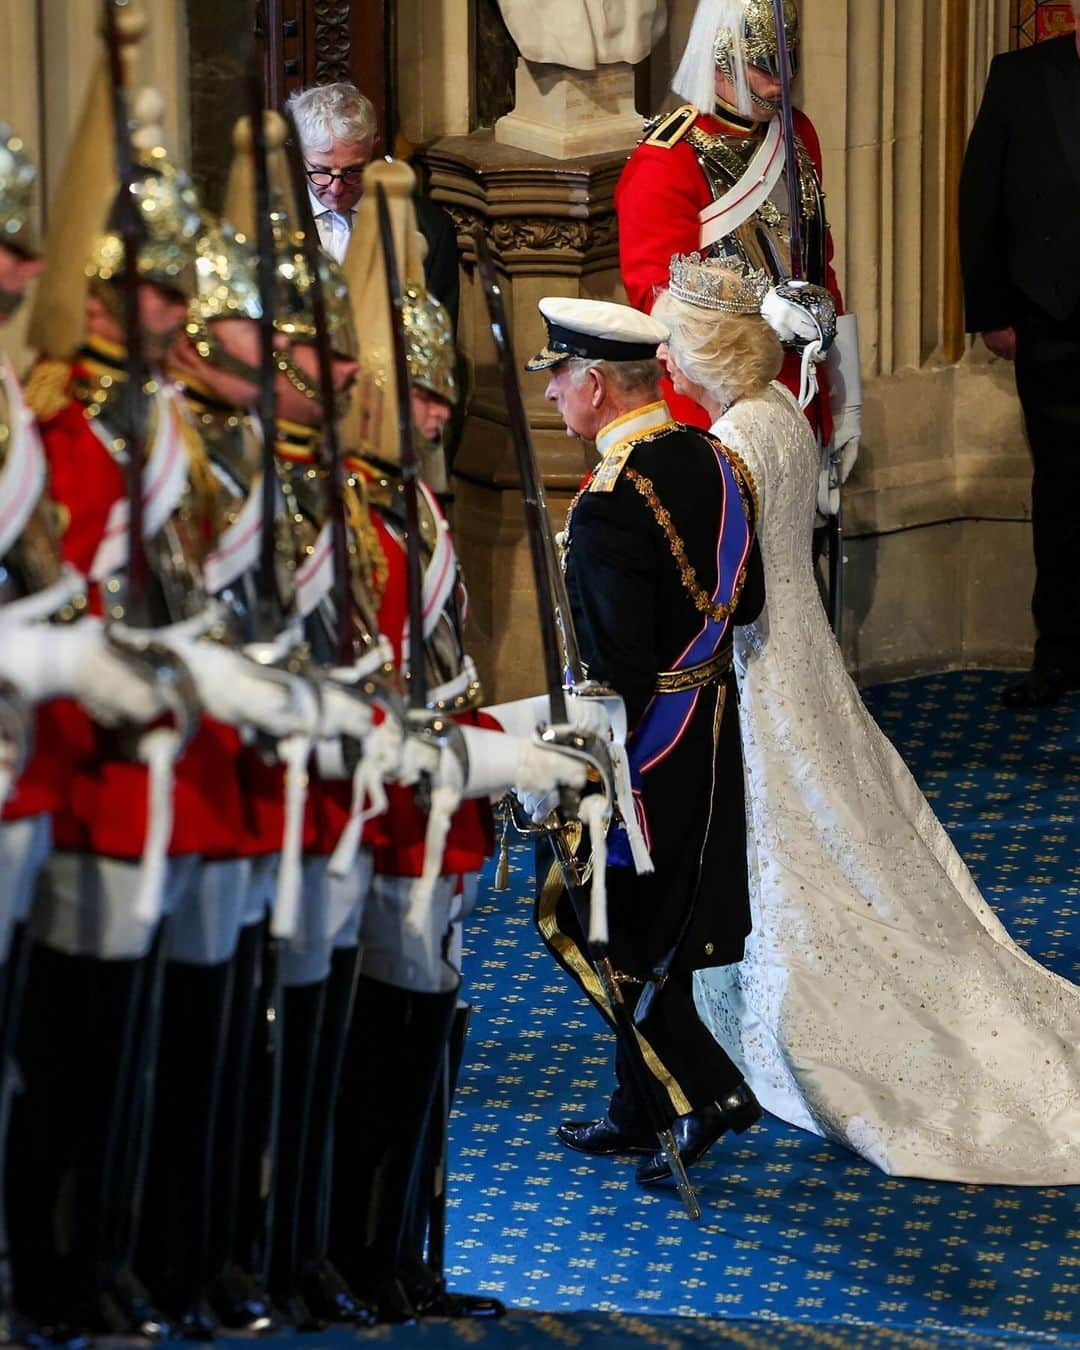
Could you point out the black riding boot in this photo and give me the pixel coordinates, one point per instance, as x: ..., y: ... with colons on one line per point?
x: 393, y: 1063
x: 244, y: 1124
x: 422, y: 1264
x: 302, y: 1022
x: 322, y: 1286
x: 175, y: 1235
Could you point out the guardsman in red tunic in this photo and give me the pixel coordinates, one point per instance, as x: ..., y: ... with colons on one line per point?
x: 408, y: 976
x: 711, y: 177
x: 94, y: 983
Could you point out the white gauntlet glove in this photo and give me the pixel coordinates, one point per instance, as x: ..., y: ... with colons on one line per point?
x: 499, y: 762
x: 845, y: 400
x: 237, y: 691
x: 45, y: 661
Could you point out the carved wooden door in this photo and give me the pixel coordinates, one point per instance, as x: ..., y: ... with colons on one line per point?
x: 319, y: 41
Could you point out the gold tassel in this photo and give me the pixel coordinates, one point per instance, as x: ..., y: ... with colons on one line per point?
x: 502, y: 869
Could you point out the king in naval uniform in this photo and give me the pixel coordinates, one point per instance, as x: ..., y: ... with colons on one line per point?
x: 661, y: 562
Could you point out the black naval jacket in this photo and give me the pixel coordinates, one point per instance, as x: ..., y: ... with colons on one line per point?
x: 633, y: 618
x: 1020, y: 189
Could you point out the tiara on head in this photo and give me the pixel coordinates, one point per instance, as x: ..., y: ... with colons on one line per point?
x: 714, y: 283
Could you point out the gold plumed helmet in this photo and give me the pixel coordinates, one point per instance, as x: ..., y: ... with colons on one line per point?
x: 17, y: 175
x: 83, y: 249
x: 226, y: 287
x: 731, y: 36
x: 430, y: 343
x: 294, y: 313
x: 169, y: 213
x: 751, y: 39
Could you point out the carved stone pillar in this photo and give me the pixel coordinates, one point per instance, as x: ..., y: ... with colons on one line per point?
x: 552, y: 230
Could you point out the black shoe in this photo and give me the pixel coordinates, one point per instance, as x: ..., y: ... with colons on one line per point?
x: 330, y: 1298
x: 1039, y: 688
x: 601, y: 1138
x: 195, y: 1322
x: 696, y: 1132
x: 294, y: 1310
x: 460, y: 1307
x: 124, y: 1308
x: 241, y: 1304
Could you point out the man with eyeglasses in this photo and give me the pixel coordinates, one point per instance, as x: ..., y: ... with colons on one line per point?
x: 337, y: 127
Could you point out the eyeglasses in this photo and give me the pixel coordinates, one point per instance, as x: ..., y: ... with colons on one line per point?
x: 353, y: 176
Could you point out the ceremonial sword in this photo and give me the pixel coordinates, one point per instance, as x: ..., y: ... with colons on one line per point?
x: 555, y: 614
x: 835, y: 524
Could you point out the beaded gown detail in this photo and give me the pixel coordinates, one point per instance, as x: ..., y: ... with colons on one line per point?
x: 881, y: 1003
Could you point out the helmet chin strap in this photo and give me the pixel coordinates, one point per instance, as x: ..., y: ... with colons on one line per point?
x: 295, y: 376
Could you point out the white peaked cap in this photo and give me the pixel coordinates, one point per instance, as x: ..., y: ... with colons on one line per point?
x: 596, y: 330
x: 695, y: 79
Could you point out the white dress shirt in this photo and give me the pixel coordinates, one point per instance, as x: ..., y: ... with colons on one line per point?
x: 334, y: 227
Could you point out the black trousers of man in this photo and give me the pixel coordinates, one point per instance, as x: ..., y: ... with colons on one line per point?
x: 685, y: 1068
x: 1048, y: 382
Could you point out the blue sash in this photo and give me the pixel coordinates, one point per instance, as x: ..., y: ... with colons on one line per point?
x: 667, y: 716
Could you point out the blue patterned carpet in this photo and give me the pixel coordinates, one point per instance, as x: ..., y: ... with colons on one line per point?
x: 794, y: 1229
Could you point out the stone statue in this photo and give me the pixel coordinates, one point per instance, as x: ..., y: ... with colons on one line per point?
x: 585, y: 34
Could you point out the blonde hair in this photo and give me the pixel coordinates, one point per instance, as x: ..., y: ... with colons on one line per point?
x: 729, y: 355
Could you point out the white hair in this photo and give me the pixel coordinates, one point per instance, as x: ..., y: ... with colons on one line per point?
x: 624, y: 375
x: 332, y: 112
x: 695, y: 79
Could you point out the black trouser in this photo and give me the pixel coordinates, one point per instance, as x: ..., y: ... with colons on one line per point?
x: 689, y: 1068
x: 1048, y: 382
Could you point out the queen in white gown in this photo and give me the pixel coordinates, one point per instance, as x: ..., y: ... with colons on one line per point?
x: 880, y: 1002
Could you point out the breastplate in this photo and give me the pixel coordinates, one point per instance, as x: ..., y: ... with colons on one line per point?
x: 764, y: 240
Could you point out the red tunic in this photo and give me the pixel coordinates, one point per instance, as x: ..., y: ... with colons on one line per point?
x: 397, y: 839
x: 658, y: 200
x: 105, y: 794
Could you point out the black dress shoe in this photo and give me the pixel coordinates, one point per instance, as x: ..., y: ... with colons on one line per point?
x: 699, y: 1130
x: 430, y: 1297
x: 448, y: 1303
x: 601, y: 1138
x: 124, y: 1308
x: 1039, y: 688
x: 293, y: 1309
x: 330, y: 1298
x: 241, y: 1304
x: 195, y: 1322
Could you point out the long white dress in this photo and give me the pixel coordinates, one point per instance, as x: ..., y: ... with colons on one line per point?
x: 880, y: 1003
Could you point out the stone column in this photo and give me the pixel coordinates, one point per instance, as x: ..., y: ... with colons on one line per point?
x: 552, y: 230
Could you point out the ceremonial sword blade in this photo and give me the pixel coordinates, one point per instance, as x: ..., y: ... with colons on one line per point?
x: 672, y: 1157
x: 129, y: 227
x: 334, y: 464
x: 410, y: 469
x: 266, y: 576
x: 787, y: 113
x: 537, y: 522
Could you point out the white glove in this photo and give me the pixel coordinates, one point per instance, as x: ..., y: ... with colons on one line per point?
x: 845, y: 400
x: 45, y: 661
x: 538, y: 805
x: 342, y: 714
x: 790, y: 322
x: 498, y: 762
x: 238, y: 692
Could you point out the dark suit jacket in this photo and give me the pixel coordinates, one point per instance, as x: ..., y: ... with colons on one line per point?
x: 441, y: 263
x: 1020, y: 189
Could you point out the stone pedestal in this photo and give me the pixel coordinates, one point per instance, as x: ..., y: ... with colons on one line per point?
x: 551, y: 227
x: 565, y: 113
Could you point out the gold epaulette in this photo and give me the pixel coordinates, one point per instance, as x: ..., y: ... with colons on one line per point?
x: 47, y: 389
x: 671, y: 129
